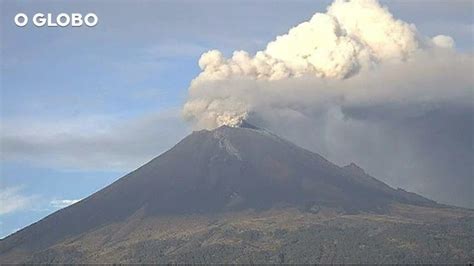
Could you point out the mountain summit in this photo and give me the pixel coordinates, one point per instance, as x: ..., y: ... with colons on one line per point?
x: 209, y: 173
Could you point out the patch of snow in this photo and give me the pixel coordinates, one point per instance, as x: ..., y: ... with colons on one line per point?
x: 226, y: 145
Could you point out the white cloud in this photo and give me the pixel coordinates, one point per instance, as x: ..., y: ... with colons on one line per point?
x: 59, y: 204
x: 334, y: 55
x: 12, y: 200
x: 96, y: 142
x: 443, y: 41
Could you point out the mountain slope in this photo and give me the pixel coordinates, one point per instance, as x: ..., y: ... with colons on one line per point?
x: 226, y: 170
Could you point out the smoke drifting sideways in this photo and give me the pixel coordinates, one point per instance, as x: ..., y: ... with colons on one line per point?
x: 354, y: 84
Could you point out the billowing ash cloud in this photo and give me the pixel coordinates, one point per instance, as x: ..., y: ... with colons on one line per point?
x: 354, y: 84
x: 351, y: 37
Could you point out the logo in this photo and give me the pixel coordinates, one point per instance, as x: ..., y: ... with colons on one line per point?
x: 60, y: 20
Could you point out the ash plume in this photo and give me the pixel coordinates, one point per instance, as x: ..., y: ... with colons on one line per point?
x: 348, y: 83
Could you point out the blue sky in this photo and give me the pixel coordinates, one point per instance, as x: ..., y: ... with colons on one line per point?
x: 91, y: 104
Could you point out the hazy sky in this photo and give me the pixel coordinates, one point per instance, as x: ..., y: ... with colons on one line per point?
x: 80, y: 107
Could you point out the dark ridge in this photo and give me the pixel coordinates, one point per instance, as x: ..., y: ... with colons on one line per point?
x: 245, y: 124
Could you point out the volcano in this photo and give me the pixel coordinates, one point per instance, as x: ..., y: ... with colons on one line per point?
x: 243, y: 194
